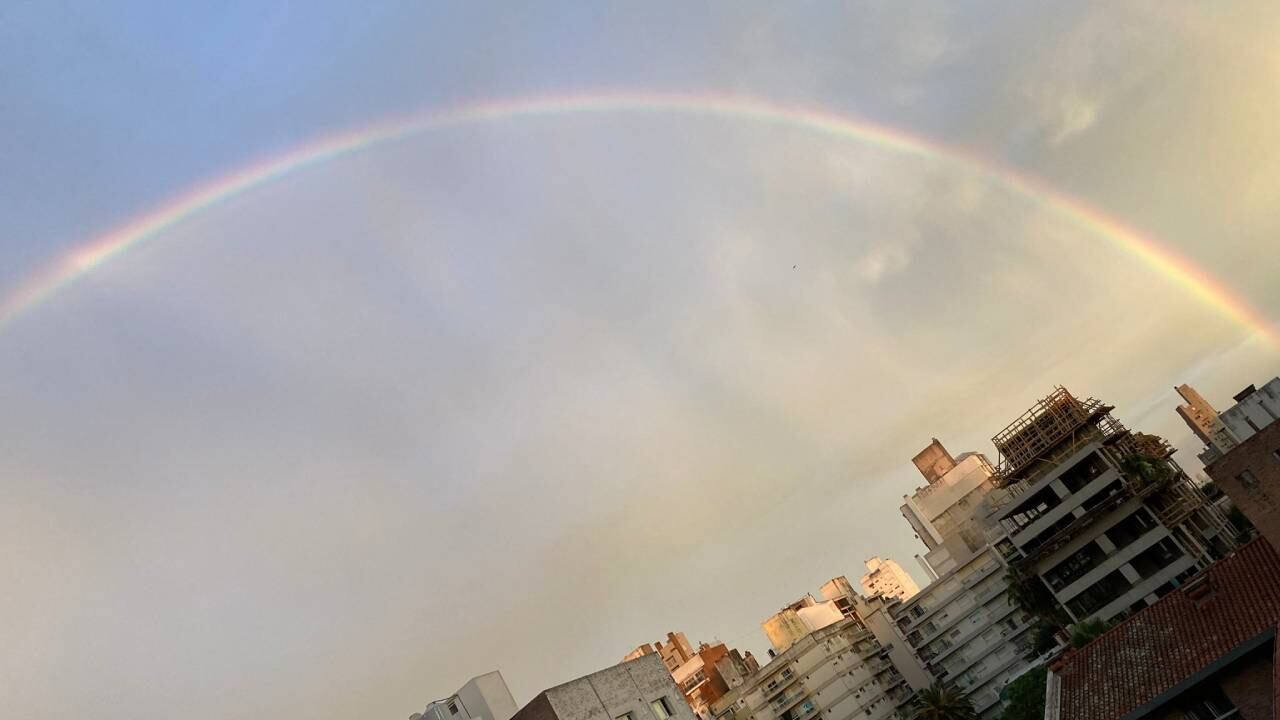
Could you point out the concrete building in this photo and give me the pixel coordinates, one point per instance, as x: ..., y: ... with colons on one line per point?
x: 1249, y: 472
x: 710, y: 674
x: 798, y: 619
x: 944, y: 511
x: 639, y: 689
x: 485, y: 697
x: 838, y: 672
x: 1250, y: 476
x: 966, y: 632
x: 704, y: 675
x: 1203, y: 420
x: 676, y: 652
x: 1206, y: 650
x: 1255, y: 409
x: 886, y: 577
x: 1103, y: 517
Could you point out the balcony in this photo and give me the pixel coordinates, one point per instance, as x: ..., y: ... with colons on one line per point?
x: 781, y: 682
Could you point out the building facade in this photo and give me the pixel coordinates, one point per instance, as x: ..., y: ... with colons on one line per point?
x: 1203, y: 420
x: 1103, y: 517
x: 1247, y: 468
x: 944, y: 511
x: 485, y: 697
x: 639, y: 689
x: 886, y: 577
x: 838, y: 672
x: 966, y: 631
x: 674, y: 653
x: 798, y: 619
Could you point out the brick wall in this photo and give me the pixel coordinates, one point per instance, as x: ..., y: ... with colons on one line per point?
x: 1247, y: 684
x: 1260, y: 503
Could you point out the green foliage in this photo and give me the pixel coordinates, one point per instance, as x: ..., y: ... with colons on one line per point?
x: 1084, y: 633
x: 1025, y: 696
x: 944, y: 702
x: 1044, y: 637
x: 1145, y: 470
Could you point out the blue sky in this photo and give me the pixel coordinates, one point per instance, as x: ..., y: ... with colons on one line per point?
x: 526, y: 394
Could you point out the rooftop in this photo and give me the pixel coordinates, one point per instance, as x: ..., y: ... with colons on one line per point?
x: 1142, y: 662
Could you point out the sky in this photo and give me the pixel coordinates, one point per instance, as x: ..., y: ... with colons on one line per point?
x: 523, y: 394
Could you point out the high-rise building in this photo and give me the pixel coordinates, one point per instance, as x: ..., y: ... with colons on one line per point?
x: 485, y: 697
x: 639, y: 689
x: 886, y: 577
x: 838, y: 672
x: 966, y: 632
x: 1203, y: 420
x: 944, y: 511
x: 1249, y: 471
x: 1101, y: 516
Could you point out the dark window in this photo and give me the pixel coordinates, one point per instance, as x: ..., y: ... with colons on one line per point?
x: 1083, y: 472
x: 1156, y: 558
x: 1099, y: 594
x: 1075, y: 567
x: 453, y: 708
x: 1099, y: 497
x: 1129, y: 529
x: 1247, y: 479
x: 1035, y: 506
x: 661, y: 708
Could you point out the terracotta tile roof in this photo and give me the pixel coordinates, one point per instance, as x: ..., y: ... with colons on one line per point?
x: 1233, y: 601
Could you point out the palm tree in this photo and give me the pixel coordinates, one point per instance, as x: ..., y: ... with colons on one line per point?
x: 944, y: 702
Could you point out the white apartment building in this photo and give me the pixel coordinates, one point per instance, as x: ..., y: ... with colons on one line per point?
x: 838, y: 672
x: 800, y: 618
x: 886, y: 577
x: 966, y: 631
x: 485, y: 697
x: 1255, y: 409
x: 944, y: 512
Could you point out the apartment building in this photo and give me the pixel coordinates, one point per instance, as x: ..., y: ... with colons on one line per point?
x: 1249, y: 472
x: 944, y: 511
x: 800, y: 618
x: 966, y: 632
x: 838, y: 672
x: 638, y: 689
x: 1102, y: 516
x: 886, y: 577
x: 674, y: 653
x: 485, y: 697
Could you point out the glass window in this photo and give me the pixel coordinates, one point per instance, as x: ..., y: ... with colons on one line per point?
x: 661, y: 708
x: 1247, y: 479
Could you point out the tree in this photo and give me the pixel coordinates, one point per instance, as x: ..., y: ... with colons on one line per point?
x: 1044, y: 637
x: 1024, y: 697
x: 944, y: 702
x: 1084, y: 632
x: 1144, y: 469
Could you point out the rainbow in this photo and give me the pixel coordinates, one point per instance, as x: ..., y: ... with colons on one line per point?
x: 84, y: 259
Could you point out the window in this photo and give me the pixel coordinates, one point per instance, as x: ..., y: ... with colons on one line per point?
x: 626, y: 716
x: 661, y: 708
x: 1247, y: 479
x: 453, y: 708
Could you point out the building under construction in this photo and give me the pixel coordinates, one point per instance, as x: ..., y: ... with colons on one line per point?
x: 1102, y: 516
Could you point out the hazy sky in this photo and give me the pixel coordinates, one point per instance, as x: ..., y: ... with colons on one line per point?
x: 526, y: 394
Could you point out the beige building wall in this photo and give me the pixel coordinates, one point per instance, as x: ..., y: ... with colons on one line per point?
x: 886, y: 577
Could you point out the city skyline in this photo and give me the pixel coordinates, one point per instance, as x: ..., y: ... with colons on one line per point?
x: 336, y: 350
